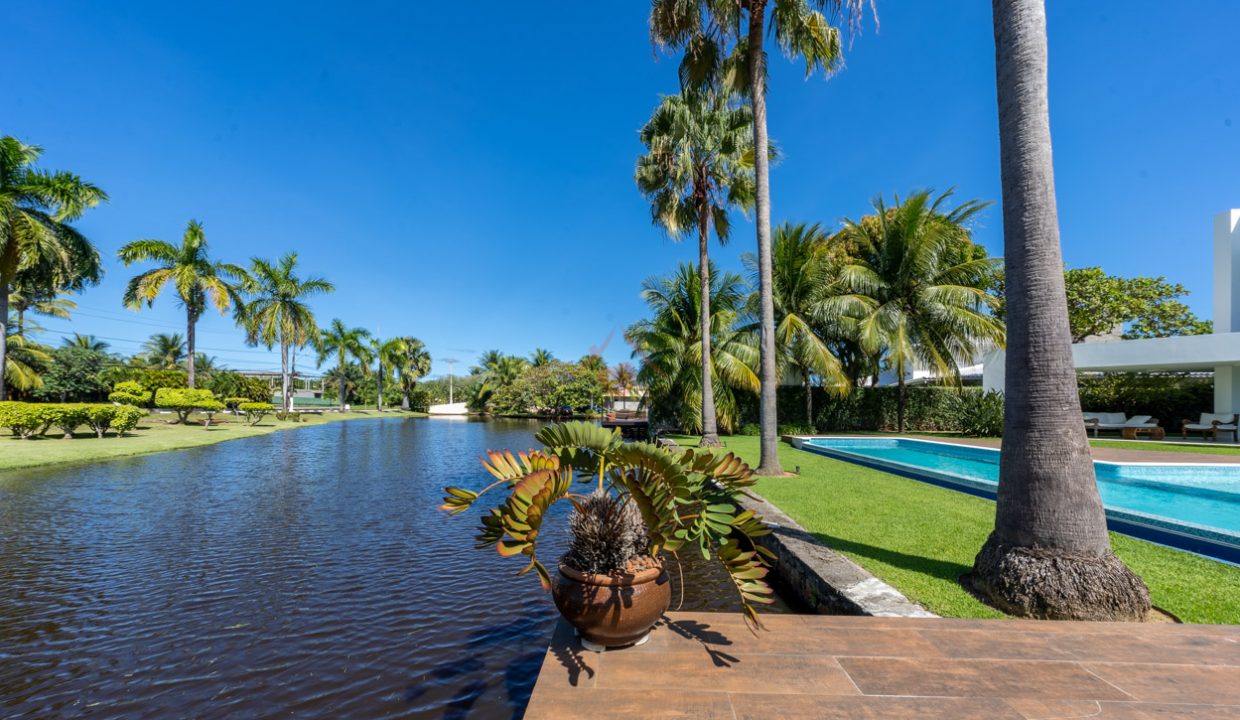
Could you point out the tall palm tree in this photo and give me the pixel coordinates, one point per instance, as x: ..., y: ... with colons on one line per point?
x: 671, y: 351
x: 693, y: 172
x: 915, y: 290
x: 412, y: 365
x: 1049, y: 555
x: 36, y: 209
x: 622, y: 378
x: 489, y: 360
x: 388, y: 355
x: 165, y: 351
x: 707, y: 31
x: 277, y: 313
x: 193, y: 275
x: 541, y: 356
x: 804, y: 275
x: 507, y: 370
x: 345, y: 342
x: 85, y: 342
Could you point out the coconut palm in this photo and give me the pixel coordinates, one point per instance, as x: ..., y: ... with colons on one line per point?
x: 707, y: 31
x: 915, y: 289
x: 693, y: 172
x: 195, y: 278
x: 541, y: 356
x: 1049, y: 554
x: 165, y: 351
x: 412, y: 365
x: 506, y: 371
x: 85, y: 342
x: 28, y: 297
x: 622, y: 378
x: 489, y: 360
x: 24, y: 361
x: 805, y: 275
x: 388, y: 355
x: 277, y: 313
x: 344, y: 342
x: 671, y: 351
x: 36, y: 238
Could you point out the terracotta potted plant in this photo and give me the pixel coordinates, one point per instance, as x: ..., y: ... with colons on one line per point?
x: 634, y: 506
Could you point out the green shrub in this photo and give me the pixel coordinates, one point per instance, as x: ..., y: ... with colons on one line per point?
x: 67, y: 418
x: 753, y: 429
x: 100, y: 418
x: 234, y: 403
x: 127, y: 418
x: 978, y: 414
x: 235, y: 385
x: 255, y: 411
x: 24, y: 420
x: 793, y: 429
x: 288, y: 416
x: 129, y: 392
x: 185, y: 401
x: 156, y: 380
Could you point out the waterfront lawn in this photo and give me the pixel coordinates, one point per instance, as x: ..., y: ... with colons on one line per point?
x: 1193, y: 448
x: 154, y: 434
x: 920, y: 538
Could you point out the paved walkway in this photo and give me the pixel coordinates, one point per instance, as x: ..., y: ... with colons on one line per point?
x: 708, y: 665
x: 1141, y: 452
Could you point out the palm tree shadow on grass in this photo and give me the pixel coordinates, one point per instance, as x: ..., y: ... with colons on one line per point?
x: 942, y: 569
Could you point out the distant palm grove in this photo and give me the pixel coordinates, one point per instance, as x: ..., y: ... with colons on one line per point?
x: 44, y: 260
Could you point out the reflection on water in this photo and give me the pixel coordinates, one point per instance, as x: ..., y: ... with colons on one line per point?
x: 301, y: 573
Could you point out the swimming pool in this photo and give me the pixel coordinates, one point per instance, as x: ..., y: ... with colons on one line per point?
x: 1194, y: 507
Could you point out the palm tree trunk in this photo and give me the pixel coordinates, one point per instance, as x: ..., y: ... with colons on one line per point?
x: 4, y: 336
x: 292, y: 375
x: 767, y: 415
x: 343, y: 380
x: 1049, y: 555
x: 190, y: 321
x: 379, y: 385
x: 710, y: 429
x: 809, y: 400
x: 21, y: 320
x: 900, y: 400
x: 284, y: 374
x: 404, y: 397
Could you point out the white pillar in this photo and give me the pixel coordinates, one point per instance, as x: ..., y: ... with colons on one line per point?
x: 1227, y: 389
x: 993, y: 372
x: 1227, y: 272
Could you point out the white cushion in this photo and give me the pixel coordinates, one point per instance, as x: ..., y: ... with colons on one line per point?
x: 1210, y: 418
x: 1138, y: 421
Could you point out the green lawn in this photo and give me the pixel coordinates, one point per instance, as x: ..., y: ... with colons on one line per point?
x: 920, y: 538
x: 155, y: 434
x: 1195, y: 448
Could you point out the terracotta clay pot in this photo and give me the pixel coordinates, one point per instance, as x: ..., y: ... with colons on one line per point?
x: 612, y: 611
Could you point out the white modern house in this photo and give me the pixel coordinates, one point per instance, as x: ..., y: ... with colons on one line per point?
x: 1218, y: 352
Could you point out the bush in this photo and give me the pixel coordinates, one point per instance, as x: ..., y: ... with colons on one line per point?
x: 127, y: 418
x: 978, y: 414
x: 100, y: 417
x: 255, y: 411
x: 234, y: 403
x: 130, y: 393
x: 753, y: 429
x: 288, y: 416
x: 67, y: 418
x: 156, y: 380
x: 231, y: 385
x: 24, y: 420
x: 185, y: 401
x: 792, y: 429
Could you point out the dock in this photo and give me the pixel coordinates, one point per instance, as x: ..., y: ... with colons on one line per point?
x: 632, y: 428
x: 709, y: 665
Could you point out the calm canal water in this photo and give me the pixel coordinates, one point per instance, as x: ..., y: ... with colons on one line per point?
x: 299, y: 574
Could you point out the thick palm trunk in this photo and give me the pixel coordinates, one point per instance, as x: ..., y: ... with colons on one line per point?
x: 767, y: 414
x: 4, y: 337
x: 379, y: 385
x: 710, y: 429
x: 404, y: 397
x: 343, y: 381
x: 292, y: 376
x: 1049, y: 555
x: 190, y: 321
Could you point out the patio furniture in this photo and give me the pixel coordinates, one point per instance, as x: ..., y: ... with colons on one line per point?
x: 1132, y: 432
x: 1120, y: 422
x: 1211, y: 424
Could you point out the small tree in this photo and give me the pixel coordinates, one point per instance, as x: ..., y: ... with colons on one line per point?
x: 187, y: 400
x: 73, y: 375
x: 255, y: 411
x: 129, y: 392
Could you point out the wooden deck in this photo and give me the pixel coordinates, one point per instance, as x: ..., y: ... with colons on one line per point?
x: 708, y: 665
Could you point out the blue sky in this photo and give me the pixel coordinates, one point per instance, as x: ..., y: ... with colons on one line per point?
x: 463, y: 172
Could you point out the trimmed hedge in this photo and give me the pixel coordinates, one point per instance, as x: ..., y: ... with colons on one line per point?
x: 1170, y: 398
x: 255, y: 411
x: 184, y: 401
x: 28, y: 420
x: 129, y: 392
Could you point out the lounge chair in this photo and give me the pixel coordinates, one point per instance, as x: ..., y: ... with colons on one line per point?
x: 1119, y: 422
x: 1211, y: 424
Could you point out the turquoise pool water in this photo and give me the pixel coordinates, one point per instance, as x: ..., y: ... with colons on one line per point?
x: 1197, y: 500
